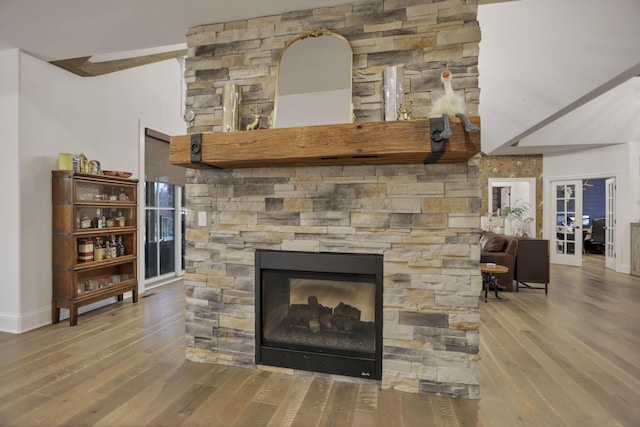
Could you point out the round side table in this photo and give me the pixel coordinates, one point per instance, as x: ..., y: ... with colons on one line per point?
x: 488, y: 277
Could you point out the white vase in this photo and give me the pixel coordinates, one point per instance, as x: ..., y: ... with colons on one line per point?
x: 508, y: 226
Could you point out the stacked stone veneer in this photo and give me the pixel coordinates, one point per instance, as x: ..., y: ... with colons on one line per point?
x: 425, y: 36
x: 423, y: 219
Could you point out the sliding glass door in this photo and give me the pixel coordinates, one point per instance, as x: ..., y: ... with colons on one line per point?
x: 163, y: 230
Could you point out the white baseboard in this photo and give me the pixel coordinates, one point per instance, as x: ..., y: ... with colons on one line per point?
x: 17, y: 324
x: 9, y: 323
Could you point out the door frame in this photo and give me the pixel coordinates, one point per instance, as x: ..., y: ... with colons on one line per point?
x: 511, y: 183
x: 547, y: 208
x: 142, y: 135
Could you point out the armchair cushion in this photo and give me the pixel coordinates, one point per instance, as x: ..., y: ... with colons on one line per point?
x: 494, y: 244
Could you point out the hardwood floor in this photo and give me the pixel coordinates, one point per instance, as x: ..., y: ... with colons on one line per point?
x: 569, y: 358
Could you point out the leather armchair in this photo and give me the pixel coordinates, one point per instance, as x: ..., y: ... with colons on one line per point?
x: 501, y: 250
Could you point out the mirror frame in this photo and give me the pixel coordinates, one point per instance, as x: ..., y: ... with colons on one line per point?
x: 314, y: 33
x: 504, y: 182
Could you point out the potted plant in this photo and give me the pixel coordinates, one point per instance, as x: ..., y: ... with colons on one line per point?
x: 517, y: 211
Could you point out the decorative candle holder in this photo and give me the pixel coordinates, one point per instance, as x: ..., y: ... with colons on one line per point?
x: 231, y: 99
x: 393, y: 91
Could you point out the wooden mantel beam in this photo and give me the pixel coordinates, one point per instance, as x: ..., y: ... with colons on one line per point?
x: 397, y: 142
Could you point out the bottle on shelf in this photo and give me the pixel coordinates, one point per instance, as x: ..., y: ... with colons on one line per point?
x: 120, y: 219
x: 123, y: 196
x: 113, y: 247
x: 85, y: 221
x: 120, y: 247
x: 99, y: 220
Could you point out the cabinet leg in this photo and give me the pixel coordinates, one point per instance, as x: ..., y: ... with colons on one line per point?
x: 55, y: 313
x: 73, y: 315
x: 120, y: 297
x: 134, y: 295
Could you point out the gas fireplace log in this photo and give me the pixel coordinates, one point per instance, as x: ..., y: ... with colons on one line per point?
x: 299, y: 315
x: 317, y: 317
x: 347, y: 310
x: 317, y: 311
x: 326, y: 321
x: 308, y: 315
x: 314, y: 321
x: 345, y: 323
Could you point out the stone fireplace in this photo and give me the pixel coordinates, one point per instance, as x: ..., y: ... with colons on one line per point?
x: 420, y: 220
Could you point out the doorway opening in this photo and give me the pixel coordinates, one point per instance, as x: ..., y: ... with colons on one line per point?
x: 583, y: 220
x: 164, y: 213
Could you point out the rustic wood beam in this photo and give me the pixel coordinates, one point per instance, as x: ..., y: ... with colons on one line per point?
x: 394, y: 142
x: 84, y: 67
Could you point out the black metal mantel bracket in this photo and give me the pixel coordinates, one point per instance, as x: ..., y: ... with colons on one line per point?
x: 436, y: 127
x: 196, y: 150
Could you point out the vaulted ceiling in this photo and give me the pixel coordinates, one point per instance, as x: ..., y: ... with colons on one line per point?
x: 555, y: 75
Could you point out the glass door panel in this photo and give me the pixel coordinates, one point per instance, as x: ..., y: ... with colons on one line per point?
x: 151, y: 244
x: 166, y: 240
x: 160, y: 229
x: 610, y: 223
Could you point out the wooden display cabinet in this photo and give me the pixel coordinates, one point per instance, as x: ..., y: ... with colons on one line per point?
x: 86, y: 209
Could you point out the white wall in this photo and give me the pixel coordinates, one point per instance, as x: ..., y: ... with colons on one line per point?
x: 10, y: 212
x: 97, y: 116
x: 621, y: 161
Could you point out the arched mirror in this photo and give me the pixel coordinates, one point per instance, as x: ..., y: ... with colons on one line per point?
x: 313, y: 86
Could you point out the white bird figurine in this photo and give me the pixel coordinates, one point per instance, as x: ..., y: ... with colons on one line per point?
x: 450, y: 104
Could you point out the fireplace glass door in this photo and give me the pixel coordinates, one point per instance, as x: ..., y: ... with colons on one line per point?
x: 320, y: 312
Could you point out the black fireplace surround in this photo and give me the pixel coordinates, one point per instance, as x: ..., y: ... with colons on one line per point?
x: 319, y: 312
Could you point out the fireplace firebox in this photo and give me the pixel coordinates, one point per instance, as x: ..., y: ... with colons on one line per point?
x: 320, y: 312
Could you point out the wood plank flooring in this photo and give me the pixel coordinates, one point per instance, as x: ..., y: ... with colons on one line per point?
x: 569, y: 358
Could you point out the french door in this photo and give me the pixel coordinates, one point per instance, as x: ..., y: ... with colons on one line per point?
x: 610, y: 223
x: 566, y: 232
